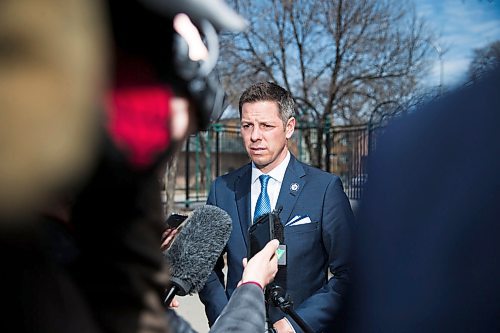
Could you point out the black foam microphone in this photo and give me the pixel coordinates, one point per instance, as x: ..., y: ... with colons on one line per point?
x: 195, y: 250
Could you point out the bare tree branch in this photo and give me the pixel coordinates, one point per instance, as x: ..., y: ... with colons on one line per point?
x: 340, y: 59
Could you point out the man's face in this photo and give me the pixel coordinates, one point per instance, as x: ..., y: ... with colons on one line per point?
x: 264, y: 135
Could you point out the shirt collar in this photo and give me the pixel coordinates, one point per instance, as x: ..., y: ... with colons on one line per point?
x: 277, y: 173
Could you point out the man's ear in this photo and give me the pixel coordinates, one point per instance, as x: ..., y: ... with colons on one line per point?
x: 290, y: 127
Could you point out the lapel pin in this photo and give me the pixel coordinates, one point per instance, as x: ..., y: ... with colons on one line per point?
x: 294, y: 187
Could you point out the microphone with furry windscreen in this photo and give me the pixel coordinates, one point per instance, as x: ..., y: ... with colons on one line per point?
x: 195, y: 250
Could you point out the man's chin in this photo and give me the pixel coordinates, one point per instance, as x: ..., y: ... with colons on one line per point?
x: 260, y: 163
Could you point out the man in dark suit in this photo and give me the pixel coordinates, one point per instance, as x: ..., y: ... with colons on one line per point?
x: 316, y: 214
x: 429, y: 233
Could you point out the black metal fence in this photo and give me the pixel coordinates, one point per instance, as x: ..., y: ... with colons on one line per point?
x: 342, y: 150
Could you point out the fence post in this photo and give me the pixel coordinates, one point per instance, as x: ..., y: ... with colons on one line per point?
x: 187, y: 172
x: 327, y: 143
x: 208, y: 157
x: 197, y: 166
x: 299, y: 141
x: 218, y: 128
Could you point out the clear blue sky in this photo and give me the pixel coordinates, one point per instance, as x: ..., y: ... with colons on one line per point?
x: 461, y: 26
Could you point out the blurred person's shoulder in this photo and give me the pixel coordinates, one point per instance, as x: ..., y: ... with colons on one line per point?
x: 466, y: 109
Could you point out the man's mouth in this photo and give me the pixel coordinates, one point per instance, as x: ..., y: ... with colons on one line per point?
x: 257, y: 150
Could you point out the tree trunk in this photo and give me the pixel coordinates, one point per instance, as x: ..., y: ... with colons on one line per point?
x: 169, y: 179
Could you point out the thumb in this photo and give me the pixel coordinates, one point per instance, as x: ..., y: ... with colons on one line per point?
x: 270, y: 249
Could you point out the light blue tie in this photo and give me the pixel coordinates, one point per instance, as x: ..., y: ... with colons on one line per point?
x: 263, y: 205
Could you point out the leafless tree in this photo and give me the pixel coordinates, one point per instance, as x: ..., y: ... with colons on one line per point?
x: 340, y: 59
x: 484, y: 60
x: 169, y: 185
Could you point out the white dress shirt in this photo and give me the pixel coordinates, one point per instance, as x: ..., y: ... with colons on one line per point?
x: 273, y: 187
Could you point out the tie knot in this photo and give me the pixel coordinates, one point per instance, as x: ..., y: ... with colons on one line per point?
x: 264, y: 179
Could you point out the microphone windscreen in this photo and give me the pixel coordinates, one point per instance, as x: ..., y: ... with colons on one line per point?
x: 195, y: 250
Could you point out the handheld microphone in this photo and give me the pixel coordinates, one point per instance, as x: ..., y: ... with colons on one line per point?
x: 195, y: 250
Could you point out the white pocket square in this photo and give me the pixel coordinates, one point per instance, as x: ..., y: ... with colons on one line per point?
x: 301, y: 220
x: 295, y: 218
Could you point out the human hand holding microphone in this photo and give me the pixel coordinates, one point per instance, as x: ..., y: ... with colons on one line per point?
x: 197, y: 246
x: 260, y: 270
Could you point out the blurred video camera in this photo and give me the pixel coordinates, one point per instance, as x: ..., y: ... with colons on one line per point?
x: 163, y: 50
x: 174, y: 42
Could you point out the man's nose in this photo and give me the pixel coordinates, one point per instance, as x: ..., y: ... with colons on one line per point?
x: 256, y: 134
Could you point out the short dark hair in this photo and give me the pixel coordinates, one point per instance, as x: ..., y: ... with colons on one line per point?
x: 268, y: 91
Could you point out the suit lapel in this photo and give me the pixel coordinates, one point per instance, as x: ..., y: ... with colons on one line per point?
x: 292, y: 185
x: 242, y: 193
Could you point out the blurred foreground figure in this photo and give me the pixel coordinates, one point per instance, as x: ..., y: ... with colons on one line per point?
x: 82, y: 144
x: 429, y: 232
x: 52, y: 80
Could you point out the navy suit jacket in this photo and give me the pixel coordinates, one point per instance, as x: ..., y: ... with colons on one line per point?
x: 312, y: 248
